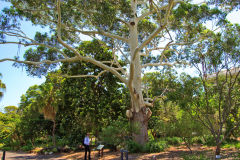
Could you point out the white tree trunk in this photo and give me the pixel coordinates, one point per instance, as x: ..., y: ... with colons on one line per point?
x: 138, y: 109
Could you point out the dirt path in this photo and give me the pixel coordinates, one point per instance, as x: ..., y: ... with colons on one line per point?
x: 173, y: 153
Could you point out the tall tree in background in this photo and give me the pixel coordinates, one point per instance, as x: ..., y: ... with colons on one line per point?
x: 93, y: 102
x: 150, y: 31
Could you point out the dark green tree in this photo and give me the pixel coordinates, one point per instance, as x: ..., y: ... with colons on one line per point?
x: 94, y: 103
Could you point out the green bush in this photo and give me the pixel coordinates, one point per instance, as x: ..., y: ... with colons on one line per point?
x: 116, y: 134
x: 198, y: 140
x: 174, y: 140
x: 209, y: 140
x: 5, y: 148
x: 26, y: 148
x: 155, y: 146
x: 62, y: 142
x: 134, y: 147
x: 237, y: 145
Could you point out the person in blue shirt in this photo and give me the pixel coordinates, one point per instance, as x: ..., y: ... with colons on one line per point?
x: 87, y: 148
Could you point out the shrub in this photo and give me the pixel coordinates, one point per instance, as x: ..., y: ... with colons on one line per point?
x: 209, y: 140
x: 153, y: 146
x: 115, y: 134
x: 198, y: 140
x: 134, y: 147
x: 62, y: 142
x: 237, y: 145
x: 26, y: 148
x: 174, y: 140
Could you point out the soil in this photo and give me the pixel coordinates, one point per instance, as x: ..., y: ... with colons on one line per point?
x: 172, y: 153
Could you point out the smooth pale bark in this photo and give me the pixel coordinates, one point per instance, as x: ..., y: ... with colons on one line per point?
x: 139, y: 117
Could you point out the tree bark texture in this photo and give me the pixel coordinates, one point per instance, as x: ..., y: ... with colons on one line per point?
x: 140, y: 121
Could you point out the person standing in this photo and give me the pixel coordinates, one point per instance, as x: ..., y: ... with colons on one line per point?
x: 87, y: 148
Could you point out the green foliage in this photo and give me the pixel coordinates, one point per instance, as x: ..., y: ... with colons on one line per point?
x: 156, y: 146
x: 2, y: 87
x: 116, y: 134
x: 174, y: 141
x: 209, y: 140
x: 198, y: 140
x: 8, y: 123
x: 237, y: 145
x: 134, y: 147
x: 26, y: 148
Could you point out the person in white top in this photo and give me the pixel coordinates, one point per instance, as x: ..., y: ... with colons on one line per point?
x: 87, y: 148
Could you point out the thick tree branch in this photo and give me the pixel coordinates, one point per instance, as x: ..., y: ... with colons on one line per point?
x: 36, y: 44
x: 84, y: 76
x: 101, y: 32
x: 146, y: 14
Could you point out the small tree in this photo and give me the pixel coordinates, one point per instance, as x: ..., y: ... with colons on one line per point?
x: 213, y: 98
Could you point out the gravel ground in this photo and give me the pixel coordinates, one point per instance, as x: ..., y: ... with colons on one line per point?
x: 172, y: 153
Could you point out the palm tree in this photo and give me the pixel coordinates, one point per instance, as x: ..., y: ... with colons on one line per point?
x: 2, y: 87
x: 47, y: 103
x: 48, y: 99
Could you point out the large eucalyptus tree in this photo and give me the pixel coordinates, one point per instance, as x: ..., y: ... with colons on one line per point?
x: 142, y: 33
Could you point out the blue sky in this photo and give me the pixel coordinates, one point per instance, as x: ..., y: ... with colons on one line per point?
x: 16, y: 79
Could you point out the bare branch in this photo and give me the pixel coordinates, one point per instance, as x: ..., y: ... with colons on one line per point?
x: 117, y: 63
x: 158, y: 64
x: 74, y: 59
x: 150, y: 12
x: 36, y: 44
x: 125, y: 56
x: 84, y: 76
x: 101, y: 32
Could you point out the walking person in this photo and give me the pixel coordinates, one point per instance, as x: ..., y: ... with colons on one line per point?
x: 87, y: 148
